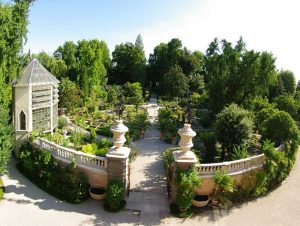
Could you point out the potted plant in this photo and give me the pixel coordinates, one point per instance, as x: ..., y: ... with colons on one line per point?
x: 186, y: 182
x: 114, y: 200
x: 97, y: 192
x: 164, y: 120
x: 200, y: 200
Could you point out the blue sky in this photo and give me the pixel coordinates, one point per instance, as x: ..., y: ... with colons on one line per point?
x: 265, y: 25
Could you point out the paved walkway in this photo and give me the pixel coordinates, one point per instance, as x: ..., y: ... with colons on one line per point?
x: 147, y: 181
x: 25, y: 204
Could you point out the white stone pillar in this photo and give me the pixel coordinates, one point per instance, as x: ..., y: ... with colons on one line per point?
x: 117, y: 156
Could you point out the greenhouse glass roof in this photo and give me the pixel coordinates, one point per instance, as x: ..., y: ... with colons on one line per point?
x: 35, y: 74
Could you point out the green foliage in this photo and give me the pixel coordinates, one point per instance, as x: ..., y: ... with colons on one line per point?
x: 93, y: 135
x: 235, y: 74
x: 169, y: 158
x: 170, y: 119
x: 98, y: 149
x: 77, y: 138
x: 129, y: 64
x: 240, y: 152
x: 263, y: 115
x: 57, y: 67
x: 42, y: 169
x: 133, y: 94
x: 2, y: 189
x: 167, y: 55
x: 6, y: 139
x: 209, y: 153
x: 70, y: 95
x: 104, y: 130
x: 285, y: 85
x: 62, y: 122
x: 279, y: 128
x: 233, y: 127
x: 287, y: 104
x: 186, y: 183
x: 114, y: 195
x: 137, y: 122
x: 278, y: 164
x: 14, y: 21
x: 174, y: 83
x: 224, y: 187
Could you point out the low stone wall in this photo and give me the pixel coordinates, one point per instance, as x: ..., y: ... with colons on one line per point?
x: 237, y: 169
x: 94, y: 167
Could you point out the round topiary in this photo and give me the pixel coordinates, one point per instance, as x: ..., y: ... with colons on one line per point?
x: 279, y: 128
x: 234, y: 127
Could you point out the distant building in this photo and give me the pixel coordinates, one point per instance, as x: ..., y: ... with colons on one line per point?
x: 35, y: 101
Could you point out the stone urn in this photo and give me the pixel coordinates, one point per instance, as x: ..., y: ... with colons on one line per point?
x: 119, y: 130
x: 185, y: 157
x: 186, y: 134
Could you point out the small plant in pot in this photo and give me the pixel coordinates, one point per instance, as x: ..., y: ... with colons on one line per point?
x: 97, y: 192
x: 114, y: 200
x: 186, y: 182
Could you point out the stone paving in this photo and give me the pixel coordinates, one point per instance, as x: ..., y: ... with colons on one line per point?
x: 147, y: 204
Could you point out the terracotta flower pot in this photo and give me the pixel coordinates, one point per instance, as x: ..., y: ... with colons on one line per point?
x: 97, y: 193
x: 162, y: 135
x: 174, y: 140
x: 200, y: 200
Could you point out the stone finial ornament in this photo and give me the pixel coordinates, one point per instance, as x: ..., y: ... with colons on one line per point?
x: 184, y: 157
x: 119, y: 130
x: 186, y: 134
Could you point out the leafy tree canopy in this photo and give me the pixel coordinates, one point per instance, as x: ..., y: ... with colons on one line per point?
x: 235, y: 74
x: 174, y: 83
x: 129, y: 63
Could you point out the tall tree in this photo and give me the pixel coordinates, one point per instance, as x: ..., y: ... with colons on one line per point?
x: 288, y: 82
x: 13, y: 30
x: 139, y: 43
x: 6, y: 139
x: 128, y: 63
x: 167, y: 55
x: 235, y: 74
x: 174, y: 83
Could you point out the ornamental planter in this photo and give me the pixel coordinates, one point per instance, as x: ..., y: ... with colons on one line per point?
x: 200, y: 200
x: 97, y: 193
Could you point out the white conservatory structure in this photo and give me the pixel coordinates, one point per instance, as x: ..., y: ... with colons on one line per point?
x: 35, y: 101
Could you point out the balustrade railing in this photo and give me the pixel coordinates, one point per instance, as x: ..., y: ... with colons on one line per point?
x: 82, y: 159
x: 231, y: 167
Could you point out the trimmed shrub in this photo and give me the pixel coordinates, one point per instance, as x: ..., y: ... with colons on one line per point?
x: 264, y: 114
x: 44, y: 171
x: 287, y: 104
x: 234, y: 126
x: 279, y: 128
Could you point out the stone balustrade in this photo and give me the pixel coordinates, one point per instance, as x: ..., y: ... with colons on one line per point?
x: 67, y: 154
x: 231, y: 167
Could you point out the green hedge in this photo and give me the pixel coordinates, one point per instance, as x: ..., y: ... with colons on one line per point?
x: 65, y: 183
